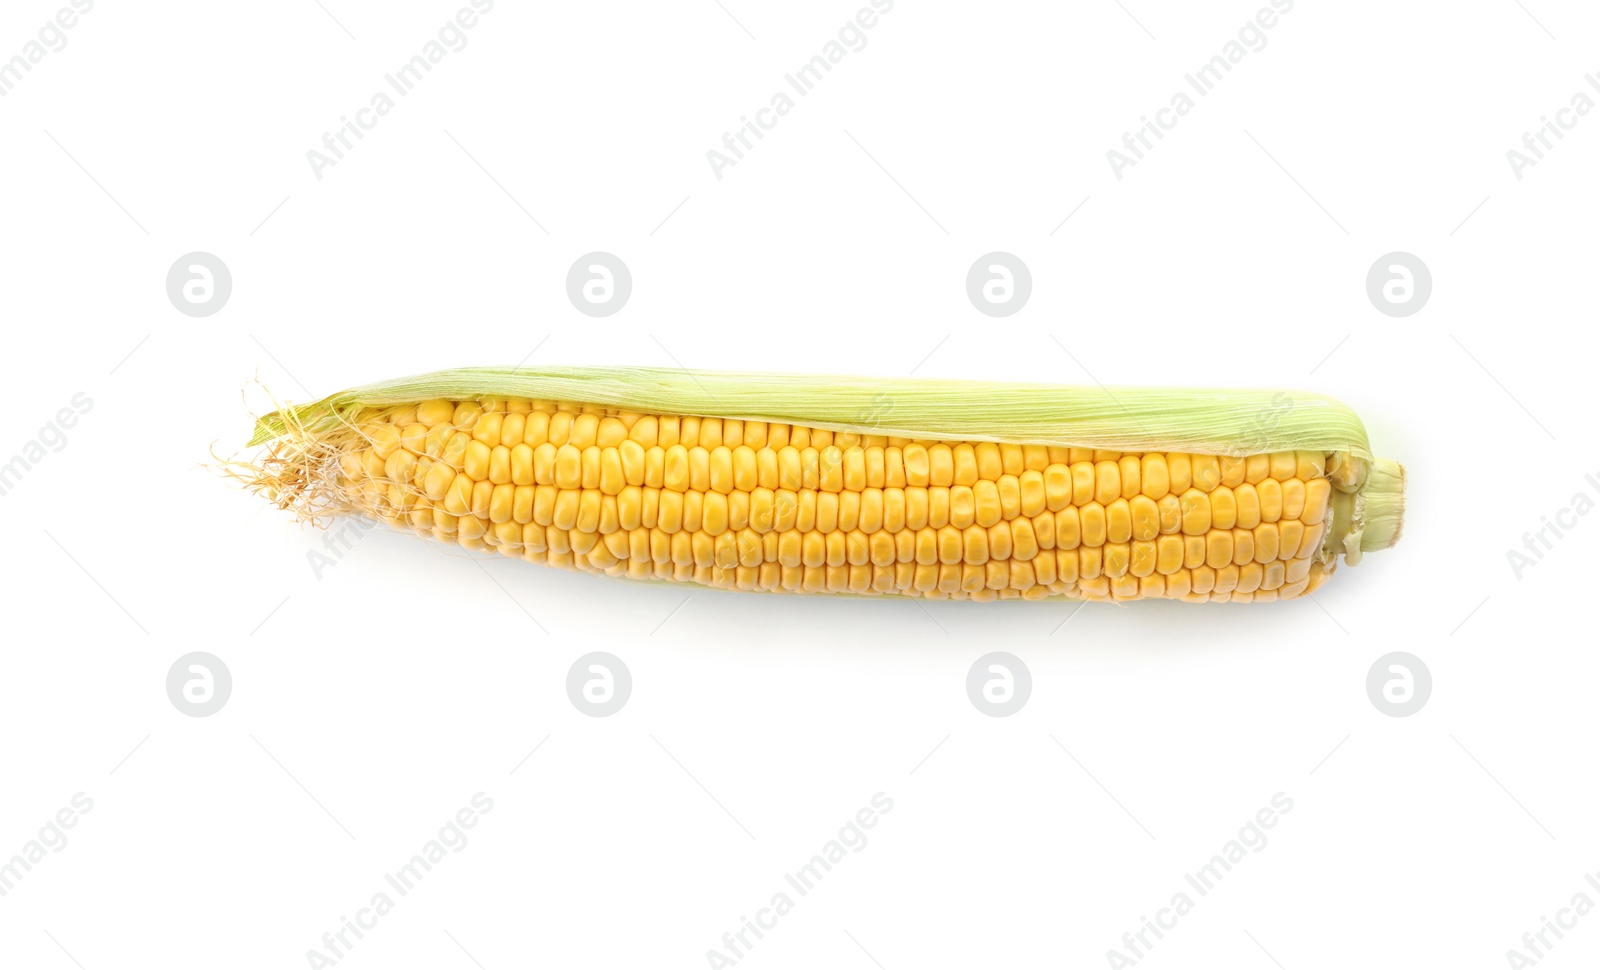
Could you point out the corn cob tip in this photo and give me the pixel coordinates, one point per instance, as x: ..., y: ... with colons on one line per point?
x: 298, y: 469
x: 1384, y: 506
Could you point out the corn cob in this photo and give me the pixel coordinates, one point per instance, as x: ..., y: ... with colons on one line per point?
x: 940, y: 490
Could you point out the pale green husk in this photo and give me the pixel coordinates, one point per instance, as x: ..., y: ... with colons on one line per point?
x: 1384, y: 500
x: 1219, y: 422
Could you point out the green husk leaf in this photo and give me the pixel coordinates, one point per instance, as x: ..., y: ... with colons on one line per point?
x: 1383, y: 505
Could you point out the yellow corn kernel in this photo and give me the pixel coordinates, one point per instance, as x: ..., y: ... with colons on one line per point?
x: 1270, y: 493
x: 1244, y: 546
x: 1219, y: 548
x: 400, y: 466
x: 481, y: 492
x: 1044, y: 530
x: 1108, y: 482
x: 1247, y: 506
x: 569, y: 467
x: 1316, y: 506
x: 1044, y: 568
x: 458, y: 499
x: 1294, y: 498
x: 384, y: 439
x: 1142, y: 558
x: 1232, y: 470
x: 990, y: 467
x: 1290, y: 534
x: 1266, y: 541
x: 536, y: 429
x: 1083, y: 483
x: 915, y: 457
x: 1179, y: 470
x: 612, y: 478
x: 941, y: 465
x: 1196, y: 512
x: 500, y: 465
x: 1000, y: 541
x: 585, y: 430
x: 1169, y: 554
x: 1067, y: 566
x: 1146, y: 517
x: 1154, y: 482
x: 1011, y: 460
x: 1283, y: 465
x: 438, y: 482
x: 1092, y: 522
x: 1224, y: 508
x: 1257, y: 468
x: 1312, y: 541
x: 475, y: 461
x: 501, y: 501
x: 1089, y: 562
x: 1128, y: 468
x: 675, y: 470
x: 1119, y: 521
x: 487, y: 429
x: 1170, y: 509
x: 1024, y: 544
x: 1031, y: 496
x: 1068, y: 529
x: 435, y: 412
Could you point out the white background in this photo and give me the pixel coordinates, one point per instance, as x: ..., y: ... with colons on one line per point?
x: 372, y: 703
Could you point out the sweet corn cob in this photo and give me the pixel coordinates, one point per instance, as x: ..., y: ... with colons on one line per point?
x: 941, y: 490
